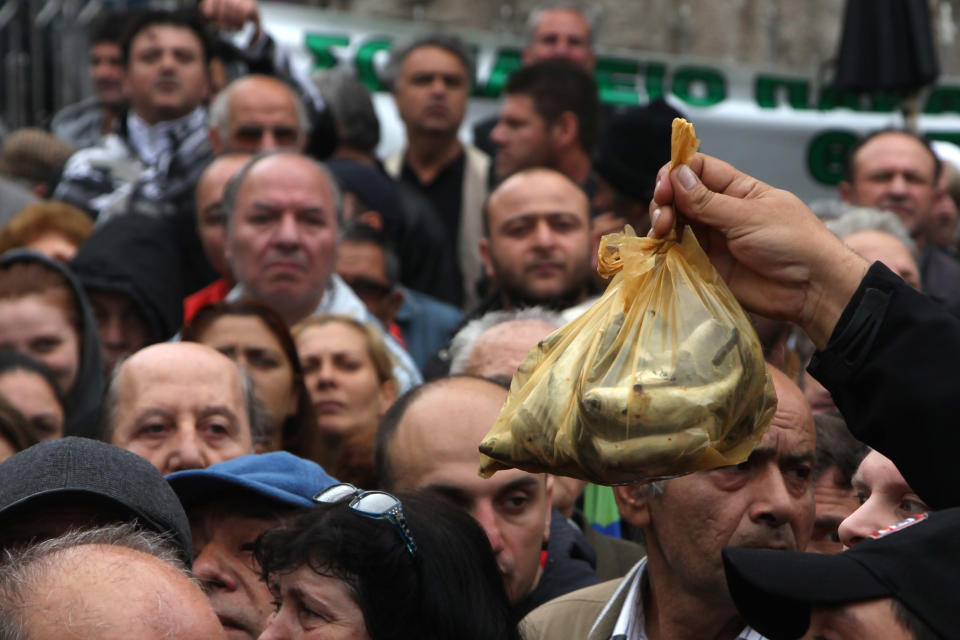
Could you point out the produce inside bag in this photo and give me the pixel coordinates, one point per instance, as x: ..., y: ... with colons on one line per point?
x: 663, y: 375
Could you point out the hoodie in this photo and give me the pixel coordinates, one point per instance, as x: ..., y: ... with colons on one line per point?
x: 83, y: 399
x: 136, y: 256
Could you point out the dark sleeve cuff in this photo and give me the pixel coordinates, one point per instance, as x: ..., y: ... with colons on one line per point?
x: 852, y: 338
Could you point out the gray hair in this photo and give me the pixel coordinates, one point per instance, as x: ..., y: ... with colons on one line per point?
x: 461, y: 347
x: 352, y: 109
x: 233, y: 185
x: 256, y: 414
x: 537, y: 12
x: 856, y: 219
x: 219, y: 111
x: 22, y: 569
x: 446, y: 41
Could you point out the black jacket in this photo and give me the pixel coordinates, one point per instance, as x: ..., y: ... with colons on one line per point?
x: 891, y: 367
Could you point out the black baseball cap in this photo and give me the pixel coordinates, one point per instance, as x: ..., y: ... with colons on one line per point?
x: 916, y: 561
x: 59, y: 472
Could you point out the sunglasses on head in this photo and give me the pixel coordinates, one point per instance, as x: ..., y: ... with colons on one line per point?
x: 378, y: 505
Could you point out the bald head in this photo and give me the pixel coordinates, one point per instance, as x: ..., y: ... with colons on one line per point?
x: 113, y: 593
x: 257, y: 113
x: 430, y: 440
x: 499, y: 350
x: 180, y: 405
x: 793, y: 410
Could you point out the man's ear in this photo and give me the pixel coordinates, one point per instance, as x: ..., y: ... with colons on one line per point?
x: 633, y: 502
x: 846, y: 191
x: 485, y: 257
x: 565, y: 130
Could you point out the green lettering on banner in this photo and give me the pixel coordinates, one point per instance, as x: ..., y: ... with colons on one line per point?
x: 766, y: 89
x: 833, y: 98
x: 617, y: 80
x: 506, y: 62
x: 319, y: 45
x: 653, y: 82
x: 715, y: 86
x: 366, y: 71
x: 943, y: 100
x: 827, y: 155
x: 946, y: 136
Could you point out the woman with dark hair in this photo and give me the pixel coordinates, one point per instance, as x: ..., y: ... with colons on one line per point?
x: 370, y: 566
x: 30, y: 388
x: 256, y: 337
x: 45, y: 314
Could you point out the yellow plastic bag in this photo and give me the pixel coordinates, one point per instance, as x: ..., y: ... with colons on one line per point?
x: 662, y: 376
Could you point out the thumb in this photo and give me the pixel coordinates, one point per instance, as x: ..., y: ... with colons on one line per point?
x: 693, y: 199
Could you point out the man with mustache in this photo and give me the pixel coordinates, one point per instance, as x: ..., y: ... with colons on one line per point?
x: 537, y: 248
x: 430, y: 77
x: 679, y: 591
x: 151, y: 162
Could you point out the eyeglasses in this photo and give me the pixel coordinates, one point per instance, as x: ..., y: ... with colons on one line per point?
x: 368, y: 287
x: 252, y: 133
x: 378, y: 505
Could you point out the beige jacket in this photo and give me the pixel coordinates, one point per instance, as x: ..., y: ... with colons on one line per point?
x: 474, y: 194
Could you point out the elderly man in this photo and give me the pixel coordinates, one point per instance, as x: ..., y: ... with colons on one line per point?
x: 231, y: 503
x: 181, y: 406
x: 550, y: 118
x: 513, y: 507
x: 65, y: 484
x: 257, y: 113
x: 898, y: 171
x: 554, y: 31
x: 538, y: 249
x: 283, y: 217
x: 679, y: 590
x: 431, y: 77
x: 107, y: 582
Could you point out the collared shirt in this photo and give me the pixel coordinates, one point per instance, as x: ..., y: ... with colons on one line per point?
x: 340, y: 299
x: 630, y: 622
x: 445, y: 193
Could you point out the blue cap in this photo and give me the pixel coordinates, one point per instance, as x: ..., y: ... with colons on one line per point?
x: 277, y: 476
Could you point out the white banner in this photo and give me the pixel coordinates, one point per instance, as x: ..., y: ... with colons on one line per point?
x: 779, y: 126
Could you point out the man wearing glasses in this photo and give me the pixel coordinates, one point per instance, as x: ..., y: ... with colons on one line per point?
x: 229, y: 504
x: 257, y: 113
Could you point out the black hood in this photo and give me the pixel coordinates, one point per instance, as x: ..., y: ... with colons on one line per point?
x: 136, y: 255
x: 83, y: 400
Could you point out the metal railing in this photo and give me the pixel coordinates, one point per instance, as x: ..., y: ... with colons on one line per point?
x: 44, y: 54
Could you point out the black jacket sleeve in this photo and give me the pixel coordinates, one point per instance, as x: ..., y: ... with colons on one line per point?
x: 891, y: 366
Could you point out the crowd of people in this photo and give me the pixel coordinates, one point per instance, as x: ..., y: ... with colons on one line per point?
x: 246, y: 364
